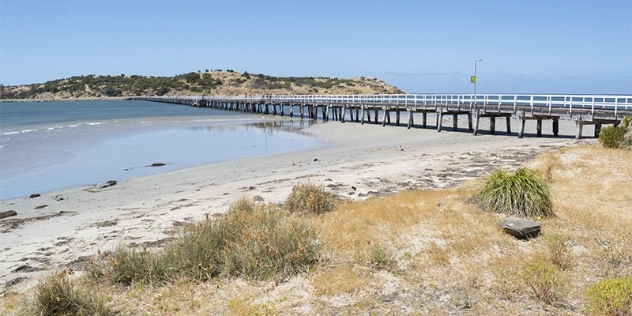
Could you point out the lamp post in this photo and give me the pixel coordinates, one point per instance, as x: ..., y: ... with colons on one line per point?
x: 475, y: 79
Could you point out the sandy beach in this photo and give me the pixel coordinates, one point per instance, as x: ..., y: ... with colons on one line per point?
x: 61, y: 229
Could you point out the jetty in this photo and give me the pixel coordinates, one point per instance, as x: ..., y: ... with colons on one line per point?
x: 594, y: 110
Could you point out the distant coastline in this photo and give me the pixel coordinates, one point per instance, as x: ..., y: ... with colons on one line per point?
x: 217, y: 82
x: 63, y: 100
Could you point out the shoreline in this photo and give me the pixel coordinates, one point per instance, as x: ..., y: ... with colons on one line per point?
x: 359, y: 162
x: 64, y: 99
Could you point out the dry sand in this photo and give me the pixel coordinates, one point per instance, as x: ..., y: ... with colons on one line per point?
x: 60, y: 229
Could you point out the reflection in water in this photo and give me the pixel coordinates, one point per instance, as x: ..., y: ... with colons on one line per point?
x: 269, y: 127
x: 97, y: 155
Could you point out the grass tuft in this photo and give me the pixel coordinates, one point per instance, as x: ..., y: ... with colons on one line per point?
x: 523, y: 193
x: 382, y: 257
x: 310, y: 198
x: 57, y: 295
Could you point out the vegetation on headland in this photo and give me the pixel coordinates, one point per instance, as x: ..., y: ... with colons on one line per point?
x: 216, y: 82
x: 415, y: 252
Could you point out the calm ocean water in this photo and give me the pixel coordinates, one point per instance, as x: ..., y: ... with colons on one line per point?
x: 46, y: 146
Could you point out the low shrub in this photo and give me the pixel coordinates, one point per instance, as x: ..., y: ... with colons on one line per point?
x: 559, y: 251
x: 617, y: 136
x: 56, y: 295
x: 543, y: 280
x: 610, y: 297
x: 310, y: 198
x: 523, y: 193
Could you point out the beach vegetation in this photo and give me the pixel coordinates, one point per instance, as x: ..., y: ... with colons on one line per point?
x: 308, y: 198
x: 58, y: 295
x: 543, y: 280
x: 619, y: 136
x: 415, y: 250
x: 610, y: 297
x: 521, y: 193
x: 559, y: 251
x: 252, y: 240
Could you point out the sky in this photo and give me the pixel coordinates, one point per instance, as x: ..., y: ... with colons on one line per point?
x: 420, y: 46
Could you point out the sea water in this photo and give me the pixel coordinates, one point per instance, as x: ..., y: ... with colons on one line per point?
x: 45, y: 146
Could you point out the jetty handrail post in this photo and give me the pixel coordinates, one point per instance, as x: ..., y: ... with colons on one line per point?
x: 515, y: 102
x: 550, y: 102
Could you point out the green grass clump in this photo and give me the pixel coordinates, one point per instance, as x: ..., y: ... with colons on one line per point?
x: 251, y: 240
x: 310, y: 198
x: 56, y: 295
x: 382, y: 257
x: 610, y: 297
x: 523, y: 193
x: 617, y: 136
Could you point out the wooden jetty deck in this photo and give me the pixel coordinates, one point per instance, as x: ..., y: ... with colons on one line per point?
x: 583, y: 109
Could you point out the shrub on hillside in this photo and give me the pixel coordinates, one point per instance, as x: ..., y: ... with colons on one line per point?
x: 610, y: 297
x: 522, y: 193
x: 310, y: 198
x: 617, y: 136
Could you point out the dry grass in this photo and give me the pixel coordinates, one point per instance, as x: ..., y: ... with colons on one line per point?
x: 444, y: 255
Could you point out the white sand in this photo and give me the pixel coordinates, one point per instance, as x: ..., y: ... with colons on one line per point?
x: 375, y: 160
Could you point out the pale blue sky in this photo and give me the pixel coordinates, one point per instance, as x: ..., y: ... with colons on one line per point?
x: 527, y: 46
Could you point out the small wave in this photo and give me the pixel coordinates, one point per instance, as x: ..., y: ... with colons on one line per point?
x: 28, y: 130
x: 10, y: 133
x: 95, y: 123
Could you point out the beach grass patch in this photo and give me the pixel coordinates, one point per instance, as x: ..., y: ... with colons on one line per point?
x: 382, y: 257
x: 127, y: 265
x: 268, y: 242
x: 522, y: 193
x: 57, y: 295
x: 308, y: 198
x: 251, y: 240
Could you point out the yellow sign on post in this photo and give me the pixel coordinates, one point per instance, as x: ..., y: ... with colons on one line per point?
x: 473, y: 79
